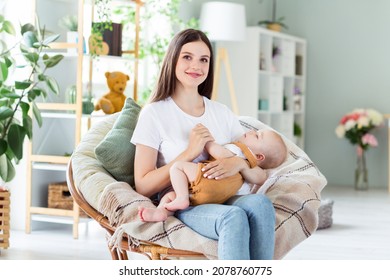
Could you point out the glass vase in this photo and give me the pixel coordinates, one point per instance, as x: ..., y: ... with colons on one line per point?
x: 361, y: 173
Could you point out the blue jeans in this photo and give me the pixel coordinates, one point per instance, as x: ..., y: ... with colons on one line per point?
x: 244, y: 226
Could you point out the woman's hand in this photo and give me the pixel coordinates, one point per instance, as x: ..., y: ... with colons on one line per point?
x: 199, y: 136
x: 224, y: 167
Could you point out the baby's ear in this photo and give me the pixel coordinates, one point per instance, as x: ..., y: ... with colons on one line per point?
x: 260, y: 157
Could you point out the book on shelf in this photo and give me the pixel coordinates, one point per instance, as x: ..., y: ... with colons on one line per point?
x: 113, y: 38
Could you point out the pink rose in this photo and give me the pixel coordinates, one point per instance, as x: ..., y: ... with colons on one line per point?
x: 370, y: 140
x: 355, y: 116
x: 344, y: 119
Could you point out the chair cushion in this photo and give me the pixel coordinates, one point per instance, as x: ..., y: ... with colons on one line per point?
x: 116, y: 152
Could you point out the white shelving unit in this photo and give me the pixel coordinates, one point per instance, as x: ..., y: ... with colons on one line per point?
x: 269, y: 71
x: 64, y: 123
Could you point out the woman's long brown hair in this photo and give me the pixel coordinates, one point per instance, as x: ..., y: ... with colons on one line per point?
x: 167, y: 80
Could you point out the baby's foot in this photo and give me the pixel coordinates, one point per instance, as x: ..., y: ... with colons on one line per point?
x: 177, y: 204
x: 152, y: 214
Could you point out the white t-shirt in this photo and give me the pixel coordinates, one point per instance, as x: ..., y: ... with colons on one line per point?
x: 165, y: 127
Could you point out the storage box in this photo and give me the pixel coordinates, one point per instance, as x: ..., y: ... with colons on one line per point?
x: 325, y: 213
x: 4, y: 218
x: 59, y: 197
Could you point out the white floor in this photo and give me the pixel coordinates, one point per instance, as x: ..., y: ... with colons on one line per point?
x: 57, y: 243
x: 360, y: 230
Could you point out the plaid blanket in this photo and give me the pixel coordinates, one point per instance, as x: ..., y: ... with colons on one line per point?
x: 120, y: 204
x: 294, y: 189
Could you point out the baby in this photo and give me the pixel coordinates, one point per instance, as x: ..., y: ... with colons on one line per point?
x: 264, y: 148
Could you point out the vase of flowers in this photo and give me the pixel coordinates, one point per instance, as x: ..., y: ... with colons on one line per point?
x: 356, y: 126
x: 361, y: 174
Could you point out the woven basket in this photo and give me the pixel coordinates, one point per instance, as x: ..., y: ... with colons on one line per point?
x: 325, y: 212
x: 4, y: 218
x: 59, y: 197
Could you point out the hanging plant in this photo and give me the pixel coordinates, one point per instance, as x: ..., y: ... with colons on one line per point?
x: 104, y: 22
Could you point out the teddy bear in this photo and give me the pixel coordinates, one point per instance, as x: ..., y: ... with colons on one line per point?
x: 114, y: 100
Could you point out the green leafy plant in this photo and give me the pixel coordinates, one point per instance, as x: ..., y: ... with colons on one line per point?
x: 17, y: 97
x: 69, y: 22
x: 297, y: 130
x: 274, y: 20
x: 278, y: 21
x: 104, y: 22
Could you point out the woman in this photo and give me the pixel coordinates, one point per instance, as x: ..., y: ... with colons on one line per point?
x: 175, y: 126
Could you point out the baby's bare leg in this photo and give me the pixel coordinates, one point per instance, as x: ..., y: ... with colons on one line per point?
x: 158, y: 214
x: 181, y: 173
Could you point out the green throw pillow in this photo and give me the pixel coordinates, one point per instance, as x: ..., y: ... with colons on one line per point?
x: 115, y: 152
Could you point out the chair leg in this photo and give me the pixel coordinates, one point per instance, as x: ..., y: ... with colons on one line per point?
x: 117, y: 254
x: 123, y: 255
x: 114, y: 254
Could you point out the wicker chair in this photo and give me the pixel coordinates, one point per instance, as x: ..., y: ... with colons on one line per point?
x: 294, y: 189
x: 152, y: 251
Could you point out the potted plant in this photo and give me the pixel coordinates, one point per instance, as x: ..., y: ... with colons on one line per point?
x: 17, y: 96
x: 96, y: 44
x: 275, y: 24
x: 70, y: 24
x: 297, y: 132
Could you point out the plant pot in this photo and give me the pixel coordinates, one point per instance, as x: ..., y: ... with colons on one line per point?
x: 88, y: 106
x: 97, y: 46
x: 73, y: 37
x: 275, y: 27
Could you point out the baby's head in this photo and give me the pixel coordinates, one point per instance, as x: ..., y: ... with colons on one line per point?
x: 267, y: 145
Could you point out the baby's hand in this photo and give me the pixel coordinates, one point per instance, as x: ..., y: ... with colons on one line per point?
x: 199, y: 136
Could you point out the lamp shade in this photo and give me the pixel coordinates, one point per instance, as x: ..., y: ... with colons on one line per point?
x: 223, y: 21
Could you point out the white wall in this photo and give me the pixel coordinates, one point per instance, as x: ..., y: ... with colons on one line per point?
x: 348, y: 67
x: 256, y: 10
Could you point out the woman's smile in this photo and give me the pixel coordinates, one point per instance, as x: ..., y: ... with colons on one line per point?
x: 194, y: 75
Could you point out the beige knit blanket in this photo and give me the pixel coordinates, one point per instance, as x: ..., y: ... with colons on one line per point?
x: 120, y: 204
x: 294, y: 188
